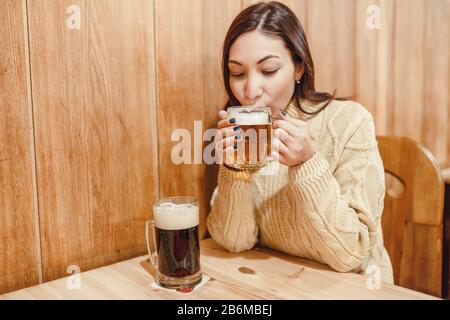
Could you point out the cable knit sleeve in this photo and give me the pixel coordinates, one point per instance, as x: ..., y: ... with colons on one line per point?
x: 342, y: 208
x: 232, y: 222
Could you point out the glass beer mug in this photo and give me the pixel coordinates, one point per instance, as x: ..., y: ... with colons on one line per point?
x: 256, y: 147
x: 174, y: 227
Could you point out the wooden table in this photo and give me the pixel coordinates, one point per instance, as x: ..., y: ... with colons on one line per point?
x: 256, y: 274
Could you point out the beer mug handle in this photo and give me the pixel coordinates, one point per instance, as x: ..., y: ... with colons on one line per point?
x: 150, y: 224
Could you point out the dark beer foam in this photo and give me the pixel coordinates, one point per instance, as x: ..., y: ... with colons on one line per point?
x: 169, y: 216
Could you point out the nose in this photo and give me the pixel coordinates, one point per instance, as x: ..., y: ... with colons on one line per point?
x: 253, y: 90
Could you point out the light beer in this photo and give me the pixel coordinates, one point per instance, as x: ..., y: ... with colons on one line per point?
x: 256, y: 145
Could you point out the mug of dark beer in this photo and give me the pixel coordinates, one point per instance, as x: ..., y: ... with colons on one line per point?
x: 256, y: 145
x: 174, y: 237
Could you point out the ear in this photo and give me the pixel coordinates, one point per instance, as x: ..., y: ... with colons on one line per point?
x: 299, y: 70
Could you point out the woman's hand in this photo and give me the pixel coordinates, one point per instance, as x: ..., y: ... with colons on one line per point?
x: 227, y: 138
x: 292, y: 143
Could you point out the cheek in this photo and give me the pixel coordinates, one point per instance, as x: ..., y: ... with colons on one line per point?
x: 237, y: 88
x: 281, y: 89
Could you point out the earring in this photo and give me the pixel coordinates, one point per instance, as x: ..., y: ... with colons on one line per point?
x: 297, y: 82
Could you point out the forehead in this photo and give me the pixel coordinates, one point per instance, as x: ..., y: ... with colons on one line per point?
x: 252, y: 46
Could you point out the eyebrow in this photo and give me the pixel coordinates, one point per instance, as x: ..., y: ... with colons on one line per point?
x: 259, y: 61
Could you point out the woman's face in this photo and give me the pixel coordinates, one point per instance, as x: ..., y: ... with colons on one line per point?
x: 262, y: 70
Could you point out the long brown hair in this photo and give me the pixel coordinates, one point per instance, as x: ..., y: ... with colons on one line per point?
x: 276, y: 19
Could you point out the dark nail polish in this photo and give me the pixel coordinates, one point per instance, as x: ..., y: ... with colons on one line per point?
x: 232, y: 120
x: 236, y: 128
x: 235, y: 147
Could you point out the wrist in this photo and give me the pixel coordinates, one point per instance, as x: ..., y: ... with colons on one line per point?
x: 310, y: 168
x: 311, y: 155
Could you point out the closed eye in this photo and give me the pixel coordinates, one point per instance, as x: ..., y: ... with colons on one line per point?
x: 267, y: 73
x: 270, y: 72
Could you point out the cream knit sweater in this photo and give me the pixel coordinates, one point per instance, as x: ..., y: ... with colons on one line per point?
x: 327, y: 209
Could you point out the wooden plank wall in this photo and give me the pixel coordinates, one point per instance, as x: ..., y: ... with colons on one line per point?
x: 95, y: 134
x: 102, y: 102
x: 19, y: 243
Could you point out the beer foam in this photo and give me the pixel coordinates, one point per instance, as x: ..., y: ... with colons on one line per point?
x: 170, y: 216
x: 254, y: 118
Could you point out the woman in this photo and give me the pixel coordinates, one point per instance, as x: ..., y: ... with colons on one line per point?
x: 323, y: 197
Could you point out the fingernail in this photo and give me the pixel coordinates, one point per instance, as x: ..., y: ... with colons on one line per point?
x: 232, y: 120
x: 235, y: 147
x: 237, y: 137
x: 236, y: 128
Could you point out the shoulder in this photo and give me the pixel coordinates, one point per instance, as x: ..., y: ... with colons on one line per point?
x: 345, y: 119
x: 347, y: 111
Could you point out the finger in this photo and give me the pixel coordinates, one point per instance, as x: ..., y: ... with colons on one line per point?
x: 294, y: 121
x: 282, y: 135
x: 226, y: 123
x: 279, y: 146
x: 291, y: 129
x: 231, y: 140
x: 275, y: 155
x: 222, y: 114
x: 283, y: 150
x: 279, y: 157
x: 223, y: 141
x: 226, y: 132
x: 230, y: 131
